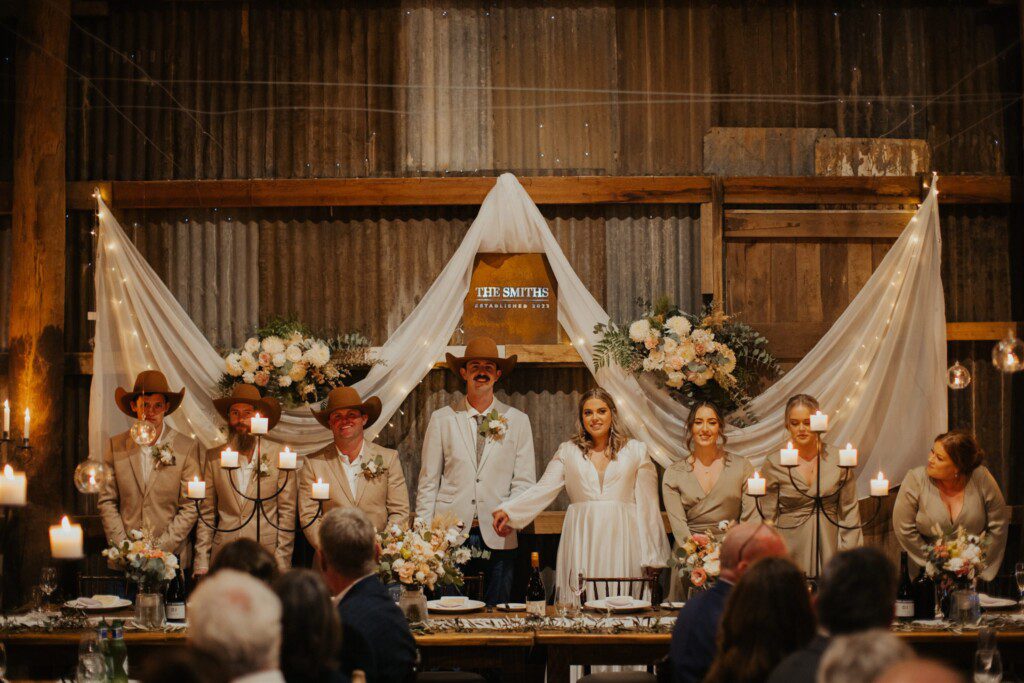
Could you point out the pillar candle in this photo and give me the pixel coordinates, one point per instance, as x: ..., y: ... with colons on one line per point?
x: 12, y: 487
x: 7, y: 417
x: 321, y: 491
x: 819, y: 422
x: 756, y: 485
x: 880, y: 486
x: 196, y: 489
x: 66, y: 540
x: 788, y: 456
x: 228, y: 458
x: 24, y: 434
x: 848, y: 456
x: 287, y: 460
x: 258, y: 425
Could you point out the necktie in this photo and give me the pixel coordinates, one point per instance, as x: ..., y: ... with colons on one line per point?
x: 480, y: 438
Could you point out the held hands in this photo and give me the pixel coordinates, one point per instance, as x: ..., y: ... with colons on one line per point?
x: 501, y: 525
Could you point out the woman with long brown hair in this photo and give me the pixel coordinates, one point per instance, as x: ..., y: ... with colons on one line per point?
x: 612, y: 527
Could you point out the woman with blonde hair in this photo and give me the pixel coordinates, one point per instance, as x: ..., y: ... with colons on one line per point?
x: 613, y: 525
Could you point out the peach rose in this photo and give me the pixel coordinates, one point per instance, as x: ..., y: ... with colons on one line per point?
x: 697, y: 577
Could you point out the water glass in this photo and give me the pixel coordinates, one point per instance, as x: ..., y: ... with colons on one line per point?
x: 92, y: 668
x: 567, y: 603
x: 988, y: 667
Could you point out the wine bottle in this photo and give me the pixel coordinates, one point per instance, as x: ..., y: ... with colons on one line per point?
x: 176, y: 598
x: 905, y: 608
x: 924, y: 597
x: 535, y: 602
x: 118, y: 656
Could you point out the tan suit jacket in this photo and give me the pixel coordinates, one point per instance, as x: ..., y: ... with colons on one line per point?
x: 158, y: 506
x: 384, y: 499
x: 224, y: 507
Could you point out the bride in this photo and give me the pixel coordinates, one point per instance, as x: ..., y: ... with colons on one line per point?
x: 613, y: 526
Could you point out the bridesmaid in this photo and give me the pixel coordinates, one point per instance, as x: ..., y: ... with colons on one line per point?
x: 953, y: 490
x: 811, y: 542
x: 706, y: 488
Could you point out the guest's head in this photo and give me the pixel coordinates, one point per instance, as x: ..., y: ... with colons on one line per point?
x: 744, y: 543
x: 767, y: 616
x: 310, y: 626
x: 188, y: 665
x: 954, y: 457
x: 857, y: 592
x: 348, y: 548
x: 859, y: 657
x: 799, y: 409
x: 239, y: 618
x: 246, y: 555
x: 599, y: 419
x: 919, y: 671
x: 704, y: 426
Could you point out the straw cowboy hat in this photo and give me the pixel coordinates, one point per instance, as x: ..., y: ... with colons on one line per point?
x: 148, y: 382
x: 347, y: 397
x: 248, y: 394
x: 481, y: 348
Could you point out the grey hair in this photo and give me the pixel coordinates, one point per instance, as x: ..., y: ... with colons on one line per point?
x: 348, y: 542
x: 861, y: 656
x: 237, y: 617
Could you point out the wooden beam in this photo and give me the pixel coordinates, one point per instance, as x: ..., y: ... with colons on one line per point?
x: 712, y: 249
x: 760, y: 225
x: 823, y: 190
x: 979, y: 189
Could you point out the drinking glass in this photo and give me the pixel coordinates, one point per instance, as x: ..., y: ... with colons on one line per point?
x: 92, y: 668
x: 567, y: 603
x: 1018, y: 575
x: 579, y: 587
x: 48, y: 583
x: 988, y: 667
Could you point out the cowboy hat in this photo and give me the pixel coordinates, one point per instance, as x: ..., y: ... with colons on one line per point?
x: 248, y: 394
x: 347, y: 397
x: 481, y: 348
x: 148, y: 382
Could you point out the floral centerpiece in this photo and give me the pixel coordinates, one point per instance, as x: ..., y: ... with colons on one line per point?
x: 702, y: 356
x: 288, y: 362
x: 141, y: 561
x: 954, y: 562
x: 698, y: 558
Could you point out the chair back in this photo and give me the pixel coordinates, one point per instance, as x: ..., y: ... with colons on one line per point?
x: 640, y: 587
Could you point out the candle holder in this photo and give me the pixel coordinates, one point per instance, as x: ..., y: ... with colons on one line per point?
x: 257, y: 509
x: 14, y: 452
x: 820, y: 506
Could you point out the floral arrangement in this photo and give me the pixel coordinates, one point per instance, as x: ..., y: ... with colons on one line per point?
x: 162, y: 455
x: 425, y: 555
x: 956, y: 558
x: 288, y: 362
x: 141, y: 561
x: 703, y: 356
x: 698, y: 558
x: 373, y: 467
x: 494, y: 426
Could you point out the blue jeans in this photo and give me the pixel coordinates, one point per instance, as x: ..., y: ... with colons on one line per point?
x: 497, y: 570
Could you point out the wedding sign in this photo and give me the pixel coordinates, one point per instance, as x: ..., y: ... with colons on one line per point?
x: 512, y: 298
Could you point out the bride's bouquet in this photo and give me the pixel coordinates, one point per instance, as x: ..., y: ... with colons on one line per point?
x: 698, y: 558
x: 956, y: 558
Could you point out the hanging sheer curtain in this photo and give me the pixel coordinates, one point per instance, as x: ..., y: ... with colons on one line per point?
x: 878, y: 371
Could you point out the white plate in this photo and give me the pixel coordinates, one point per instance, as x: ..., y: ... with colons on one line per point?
x: 120, y: 604
x: 637, y: 606
x: 989, y: 602
x: 468, y: 606
x: 672, y: 605
x: 512, y: 607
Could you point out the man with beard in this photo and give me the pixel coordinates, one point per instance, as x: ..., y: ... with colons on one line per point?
x: 148, y: 484
x: 226, y: 505
x: 478, y: 453
x: 361, y: 474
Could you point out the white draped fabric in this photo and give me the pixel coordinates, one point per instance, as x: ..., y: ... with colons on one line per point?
x: 879, y: 371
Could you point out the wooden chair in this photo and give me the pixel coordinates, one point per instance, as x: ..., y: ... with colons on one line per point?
x: 646, y: 588
x: 473, y: 586
x: 110, y: 584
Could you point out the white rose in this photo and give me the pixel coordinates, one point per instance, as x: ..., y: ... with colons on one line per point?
x: 284, y: 381
x: 233, y: 364
x: 675, y: 379
x: 112, y: 553
x: 135, y: 534
x: 955, y: 563
x: 278, y: 360
x: 494, y: 424
x: 249, y: 377
x: 273, y: 345
x: 640, y: 330
x: 248, y: 362
x: 712, y: 567
x: 252, y: 345
x: 293, y: 353
x: 651, y: 364
x: 702, y: 336
x: 398, y: 564
x: 461, y: 556
x: 679, y: 325
x: 420, y: 577
x: 317, y: 355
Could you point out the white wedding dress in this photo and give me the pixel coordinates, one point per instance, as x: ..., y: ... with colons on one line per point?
x: 610, y: 530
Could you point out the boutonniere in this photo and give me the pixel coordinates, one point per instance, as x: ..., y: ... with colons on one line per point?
x: 162, y: 455
x: 494, y: 426
x: 373, y: 467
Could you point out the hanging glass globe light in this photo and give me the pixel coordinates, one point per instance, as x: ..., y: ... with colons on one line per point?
x: 958, y: 377
x: 91, y: 476
x: 1008, y: 353
x: 143, y: 433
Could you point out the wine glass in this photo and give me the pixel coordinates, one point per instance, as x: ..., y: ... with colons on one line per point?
x: 1018, y: 575
x: 48, y: 583
x: 579, y: 587
x: 567, y: 603
x: 988, y: 667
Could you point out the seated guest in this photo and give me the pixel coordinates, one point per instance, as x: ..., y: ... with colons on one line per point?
x: 767, y: 616
x: 953, y: 490
x: 375, y: 635
x: 238, y: 618
x: 919, y: 671
x: 857, y: 592
x: 862, y: 656
x: 310, y: 629
x: 693, y: 638
x: 183, y: 666
x: 248, y: 556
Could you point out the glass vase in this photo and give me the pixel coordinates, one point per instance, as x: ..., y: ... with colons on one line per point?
x: 150, y: 611
x: 965, y: 606
x: 413, y: 604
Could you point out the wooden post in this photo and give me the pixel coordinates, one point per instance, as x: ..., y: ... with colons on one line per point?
x: 36, y: 364
x: 712, y: 253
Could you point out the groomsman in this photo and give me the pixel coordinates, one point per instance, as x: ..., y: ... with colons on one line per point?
x: 478, y: 453
x: 147, y: 488
x: 361, y: 474
x: 225, y: 505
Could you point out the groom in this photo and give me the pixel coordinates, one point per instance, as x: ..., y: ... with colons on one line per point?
x: 478, y: 453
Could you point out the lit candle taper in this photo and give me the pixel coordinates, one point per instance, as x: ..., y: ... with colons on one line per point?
x: 66, y: 540
x: 756, y: 485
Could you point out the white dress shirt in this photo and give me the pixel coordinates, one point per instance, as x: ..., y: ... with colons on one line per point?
x: 148, y: 461
x: 354, y: 469
x: 244, y: 472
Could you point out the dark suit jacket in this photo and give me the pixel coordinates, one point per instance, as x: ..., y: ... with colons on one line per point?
x: 802, y: 665
x: 694, y: 636
x: 375, y: 636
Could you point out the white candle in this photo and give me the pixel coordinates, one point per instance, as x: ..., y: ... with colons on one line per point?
x: 287, y: 460
x: 756, y: 485
x: 228, y: 458
x: 196, y: 489
x: 258, y: 424
x: 819, y: 422
x: 321, y: 491
x: 848, y: 456
x: 12, y: 487
x: 25, y: 432
x: 66, y: 540
x: 7, y: 417
x: 788, y: 456
x: 880, y: 486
